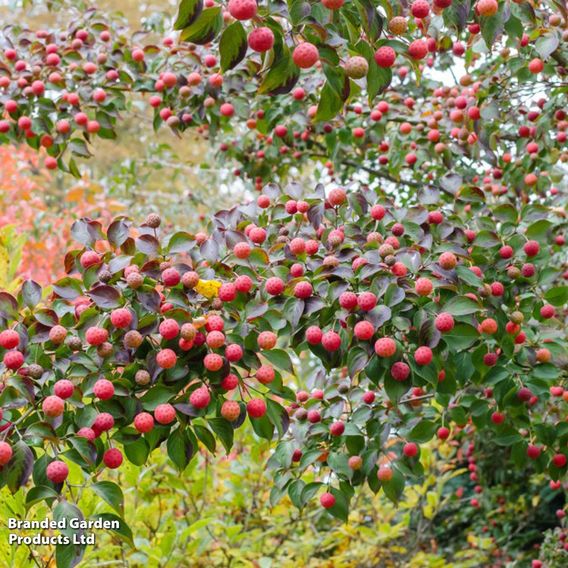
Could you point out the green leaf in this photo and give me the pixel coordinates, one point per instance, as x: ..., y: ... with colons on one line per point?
x: 461, y: 337
x: 123, y: 530
x: 224, y: 431
x: 279, y: 358
x: 281, y: 77
x: 340, y: 509
x: 188, y: 11
x: 557, y: 296
x: 394, y: 487
x: 204, y: 28
x: 461, y: 306
x: 232, y: 45
x: 205, y: 437
x: 330, y: 103
x: 180, y: 448
x: 40, y: 493
x: 19, y: 468
x: 423, y: 431
x: 111, y: 493
x: 137, y: 452
x: 31, y: 293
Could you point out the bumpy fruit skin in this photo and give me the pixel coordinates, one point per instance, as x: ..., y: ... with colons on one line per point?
x: 327, y: 500
x: 355, y: 463
x: 103, y: 422
x: 305, y: 55
x: 444, y: 322
x: 200, y: 397
x: 243, y: 284
x: 242, y: 250
x: 531, y: 248
x: 121, y: 318
x: 230, y: 410
x: 53, y: 406
x: 356, y: 67
x: 63, y: 389
x: 398, y: 25
x: 233, y: 353
x: 9, y: 339
x: 57, y: 471
x: 274, y: 286
x: 448, y: 260
x: 314, y: 335
x: 303, y: 290
x: 385, y: 347
x: 418, y: 49
x: 547, y: 311
x: 213, y: 362
x: 112, y: 458
x: 385, y: 56
x: 337, y: 428
x: 261, y: 39
x: 366, y: 301
x: 256, y: 408
x: 103, y: 389
x: 420, y: 9
x: 96, y: 335
x: 400, y: 371
x: 348, y: 300
x: 337, y: 196
x: 410, y: 449
x: 443, y: 433
x: 165, y: 413
x: 559, y: 460
x: 242, y: 9
x: 190, y: 279
x: 171, y: 277
x: 488, y: 326
x: 13, y: 360
x: 267, y: 340
x: 6, y: 453
x: 166, y: 358
x: 265, y: 374
x: 423, y: 286
x: 230, y: 382
x: 57, y: 334
x: 144, y: 422
x: 89, y: 258
x: 364, y: 330
x: 169, y: 329
x: 227, y: 292
x: 423, y: 355
x: 331, y: 341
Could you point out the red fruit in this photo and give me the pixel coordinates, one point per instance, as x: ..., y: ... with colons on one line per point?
x: 369, y: 397
x: 9, y: 339
x: 559, y: 460
x: 261, y: 39
x: 364, y: 330
x: 497, y: 418
x: 337, y: 197
x: 490, y: 359
x: 418, y: 49
x: 305, y: 55
x: 420, y: 9
x: 303, y: 290
x: 314, y: 335
x: 103, y: 389
x: 423, y: 355
x: 297, y: 246
x: 400, y: 371
x: 242, y: 250
x: 547, y: 311
x: 121, y: 318
x: 274, y: 286
x: 13, y: 360
x: 314, y: 416
x: 448, y: 260
x: 488, y: 326
x: 213, y: 362
x: 367, y: 301
x: 385, y: 56
x: 6, y: 453
x: 90, y: 258
x: 497, y: 289
x: 377, y: 212
x: 169, y: 329
x: 443, y: 433
x: 96, y: 335
x: 233, y: 352
x: 435, y: 217
x: 112, y: 458
x: 227, y: 109
x: 337, y: 428
x: 444, y: 322
x: 487, y: 8
x: 410, y: 449
x: 243, y: 284
x: 144, y: 422
x: 265, y: 374
x: 227, y: 292
x: 384, y: 473
x: 103, y: 422
x: 348, y: 300
x: 230, y: 410
x: 53, y: 406
x: 165, y: 413
x: 531, y: 248
x: 230, y: 382
x: 331, y: 341
x: 333, y: 4
x: 190, y: 279
x: 327, y: 500
x: 355, y: 463
x: 200, y: 397
x: 533, y: 452
x: 257, y: 235
x: 214, y: 323
x: 171, y: 277
x: 63, y: 389
x: 242, y: 9
x: 423, y: 286
x: 57, y: 471
x: 385, y: 347
x: 256, y: 408
x: 166, y: 358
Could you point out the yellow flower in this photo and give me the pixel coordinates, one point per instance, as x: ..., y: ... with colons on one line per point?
x: 208, y: 288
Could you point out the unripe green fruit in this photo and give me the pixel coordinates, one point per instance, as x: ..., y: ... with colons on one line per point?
x: 517, y: 317
x: 513, y: 272
x: 356, y: 67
